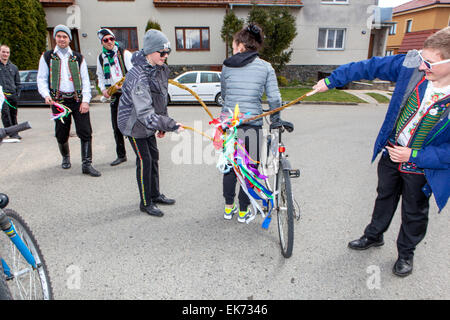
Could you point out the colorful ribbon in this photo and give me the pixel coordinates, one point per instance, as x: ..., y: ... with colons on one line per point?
x: 3, y: 99
x: 63, y: 112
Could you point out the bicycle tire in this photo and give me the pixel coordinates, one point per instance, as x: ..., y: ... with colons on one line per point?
x: 5, y: 294
x: 285, y: 213
x: 36, y: 280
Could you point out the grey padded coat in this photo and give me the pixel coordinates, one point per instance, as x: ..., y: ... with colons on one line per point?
x: 244, y: 79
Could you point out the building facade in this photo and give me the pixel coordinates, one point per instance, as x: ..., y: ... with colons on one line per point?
x: 330, y: 32
x: 414, y: 22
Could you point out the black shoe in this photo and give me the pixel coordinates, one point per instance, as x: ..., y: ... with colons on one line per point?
x: 118, y: 161
x: 86, y: 159
x: 66, y: 163
x: 152, y: 210
x: 65, y: 152
x: 90, y: 170
x: 15, y: 136
x: 163, y: 200
x: 364, y: 243
x: 403, y: 267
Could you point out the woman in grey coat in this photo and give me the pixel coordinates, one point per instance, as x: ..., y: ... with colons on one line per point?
x: 245, y: 77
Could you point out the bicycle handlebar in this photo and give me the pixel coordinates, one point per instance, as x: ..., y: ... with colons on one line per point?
x: 14, y: 129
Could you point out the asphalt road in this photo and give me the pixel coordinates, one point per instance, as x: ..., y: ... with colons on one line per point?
x: 98, y: 245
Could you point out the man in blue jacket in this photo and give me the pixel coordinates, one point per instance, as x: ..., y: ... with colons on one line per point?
x: 414, y: 140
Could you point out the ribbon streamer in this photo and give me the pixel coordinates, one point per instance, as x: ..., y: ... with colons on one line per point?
x: 3, y: 99
x: 63, y: 112
x: 234, y: 156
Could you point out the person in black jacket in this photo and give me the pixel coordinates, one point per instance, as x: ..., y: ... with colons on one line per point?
x: 10, y: 82
x: 143, y: 115
x: 112, y: 65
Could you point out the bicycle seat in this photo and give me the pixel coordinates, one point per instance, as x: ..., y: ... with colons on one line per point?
x: 288, y: 126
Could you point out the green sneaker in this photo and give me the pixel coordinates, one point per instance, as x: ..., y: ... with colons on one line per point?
x: 243, y: 215
x: 229, y: 213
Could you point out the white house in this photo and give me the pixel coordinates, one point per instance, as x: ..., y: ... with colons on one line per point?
x: 330, y: 32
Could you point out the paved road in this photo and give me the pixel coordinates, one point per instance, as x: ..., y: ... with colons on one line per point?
x: 100, y: 246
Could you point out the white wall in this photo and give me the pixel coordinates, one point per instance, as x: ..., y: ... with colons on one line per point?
x: 310, y: 18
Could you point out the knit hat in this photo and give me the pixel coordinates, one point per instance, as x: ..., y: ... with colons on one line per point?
x: 155, y: 40
x: 63, y: 28
x: 104, y: 32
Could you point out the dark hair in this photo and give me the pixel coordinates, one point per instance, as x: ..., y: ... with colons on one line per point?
x: 251, y: 37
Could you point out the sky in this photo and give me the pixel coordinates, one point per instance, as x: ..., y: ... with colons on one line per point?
x: 391, y: 3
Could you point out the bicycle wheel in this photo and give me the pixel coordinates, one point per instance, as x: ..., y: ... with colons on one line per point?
x: 26, y: 283
x: 285, y: 213
x: 4, y: 290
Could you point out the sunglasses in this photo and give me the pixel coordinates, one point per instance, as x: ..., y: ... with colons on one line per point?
x: 106, y: 40
x: 163, y: 53
x: 430, y: 65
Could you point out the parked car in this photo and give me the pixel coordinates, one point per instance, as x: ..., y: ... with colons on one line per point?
x: 205, y: 83
x: 29, y: 94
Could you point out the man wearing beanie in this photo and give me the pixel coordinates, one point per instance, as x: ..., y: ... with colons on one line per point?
x: 143, y: 113
x: 63, y: 78
x: 112, y: 65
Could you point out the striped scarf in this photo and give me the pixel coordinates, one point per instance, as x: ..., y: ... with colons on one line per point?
x: 108, y: 62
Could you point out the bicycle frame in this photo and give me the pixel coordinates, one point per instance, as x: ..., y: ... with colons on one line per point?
x: 8, y: 227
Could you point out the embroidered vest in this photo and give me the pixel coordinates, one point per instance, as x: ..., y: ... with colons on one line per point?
x: 426, y: 123
x: 54, y: 64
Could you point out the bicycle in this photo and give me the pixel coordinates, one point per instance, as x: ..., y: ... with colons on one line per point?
x: 23, y: 271
x: 277, y: 167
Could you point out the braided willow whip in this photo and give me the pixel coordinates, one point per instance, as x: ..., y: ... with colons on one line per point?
x: 198, y: 131
x: 280, y: 108
x: 179, y: 85
x: 112, y: 90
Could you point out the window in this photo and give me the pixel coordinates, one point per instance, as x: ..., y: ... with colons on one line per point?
x: 192, y: 38
x: 209, y: 77
x: 393, y: 29
x: 389, y: 53
x: 126, y: 37
x: 332, y: 39
x: 188, y: 78
x: 408, y: 26
x: 335, y: 1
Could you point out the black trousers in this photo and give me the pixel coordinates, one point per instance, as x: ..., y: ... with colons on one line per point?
x: 82, y: 122
x: 118, y: 136
x: 393, y: 184
x: 9, y: 115
x: 250, y: 136
x: 147, y: 169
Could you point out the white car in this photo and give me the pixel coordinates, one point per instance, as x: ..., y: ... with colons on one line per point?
x: 205, y: 83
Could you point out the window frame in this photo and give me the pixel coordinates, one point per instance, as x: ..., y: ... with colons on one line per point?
x: 129, y: 36
x: 188, y: 74
x: 393, y: 30
x: 334, y: 2
x: 184, y: 39
x: 326, y: 40
x: 408, y: 25
x: 215, y: 74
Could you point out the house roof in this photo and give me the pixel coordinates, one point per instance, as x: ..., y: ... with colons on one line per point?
x: 224, y: 3
x: 415, y: 40
x: 56, y: 3
x: 416, y: 4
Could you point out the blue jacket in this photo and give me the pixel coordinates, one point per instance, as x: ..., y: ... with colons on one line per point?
x: 434, y: 157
